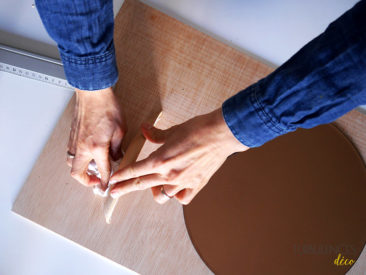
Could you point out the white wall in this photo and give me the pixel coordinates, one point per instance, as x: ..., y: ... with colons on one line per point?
x: 272, y: 30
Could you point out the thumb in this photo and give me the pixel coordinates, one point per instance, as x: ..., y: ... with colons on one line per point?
x: 153, y: 134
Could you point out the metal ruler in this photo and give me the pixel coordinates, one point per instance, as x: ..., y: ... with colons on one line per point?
x: 32, y: 66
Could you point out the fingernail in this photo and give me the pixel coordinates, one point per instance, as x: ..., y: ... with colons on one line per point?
x: 114, y: 195
x: 112, y: 181
x: 163, y: 200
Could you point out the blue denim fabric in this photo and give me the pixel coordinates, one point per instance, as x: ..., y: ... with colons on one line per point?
x: 321, y: 82
x: 83, y: 31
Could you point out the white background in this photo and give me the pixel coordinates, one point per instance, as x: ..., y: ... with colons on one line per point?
x: 270, y: 30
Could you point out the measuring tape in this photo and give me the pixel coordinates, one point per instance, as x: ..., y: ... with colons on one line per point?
x: 34, y: 75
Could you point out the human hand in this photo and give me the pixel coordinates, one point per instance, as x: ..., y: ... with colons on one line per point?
x: 191, y: 153
x: 96, y: 132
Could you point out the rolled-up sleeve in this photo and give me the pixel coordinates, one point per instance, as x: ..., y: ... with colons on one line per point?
x: 321, y: 82
x: 83, y: 31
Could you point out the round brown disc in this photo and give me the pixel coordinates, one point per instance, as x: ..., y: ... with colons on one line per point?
x: 291, y: 206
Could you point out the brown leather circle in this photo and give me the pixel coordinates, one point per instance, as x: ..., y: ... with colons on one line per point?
x: 289, y: 207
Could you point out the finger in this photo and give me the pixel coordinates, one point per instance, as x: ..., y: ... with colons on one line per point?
x: 153, y: 134
x: 101, y: 158
x: 71, y: 145
x: 136, y: 184
x: 159, y: 197
x: 69, y: 160
x: 186, y: 195
x: 79, y: 168
x: 134, y: 170
x: 172, y: 190
x: 116, y: 142
x: 71, y: 148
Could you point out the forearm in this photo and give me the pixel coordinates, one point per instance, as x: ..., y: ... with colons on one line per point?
x: 83, y: 31
x: 324, y: 80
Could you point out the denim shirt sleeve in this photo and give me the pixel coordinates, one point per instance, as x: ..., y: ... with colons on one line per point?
x: 83, y: 31
x: 321, y: 82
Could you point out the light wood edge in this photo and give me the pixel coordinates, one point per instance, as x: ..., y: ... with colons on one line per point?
x: 130, y: 157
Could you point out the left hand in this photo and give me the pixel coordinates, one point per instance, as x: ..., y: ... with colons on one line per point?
x: 96, y: 133
x: 191, y: 153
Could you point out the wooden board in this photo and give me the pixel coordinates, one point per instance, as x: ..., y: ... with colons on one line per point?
x: 162, y: 62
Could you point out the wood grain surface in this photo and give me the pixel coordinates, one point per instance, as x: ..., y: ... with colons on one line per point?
x: 162, y: 63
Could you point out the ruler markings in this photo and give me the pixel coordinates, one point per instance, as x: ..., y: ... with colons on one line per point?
x: 34, y: 75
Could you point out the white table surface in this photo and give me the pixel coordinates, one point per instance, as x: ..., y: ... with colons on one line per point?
x: 271, y: 30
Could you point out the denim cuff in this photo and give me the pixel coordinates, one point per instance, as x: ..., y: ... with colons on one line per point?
x: 91, y: 72
x: 248, y: 119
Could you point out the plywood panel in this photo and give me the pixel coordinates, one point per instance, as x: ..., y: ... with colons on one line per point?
x: 353, y: 125
x: 162, y: 63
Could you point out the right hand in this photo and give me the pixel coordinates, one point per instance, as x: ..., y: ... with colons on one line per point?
x: 190, y: 154
x: 96, y: 132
